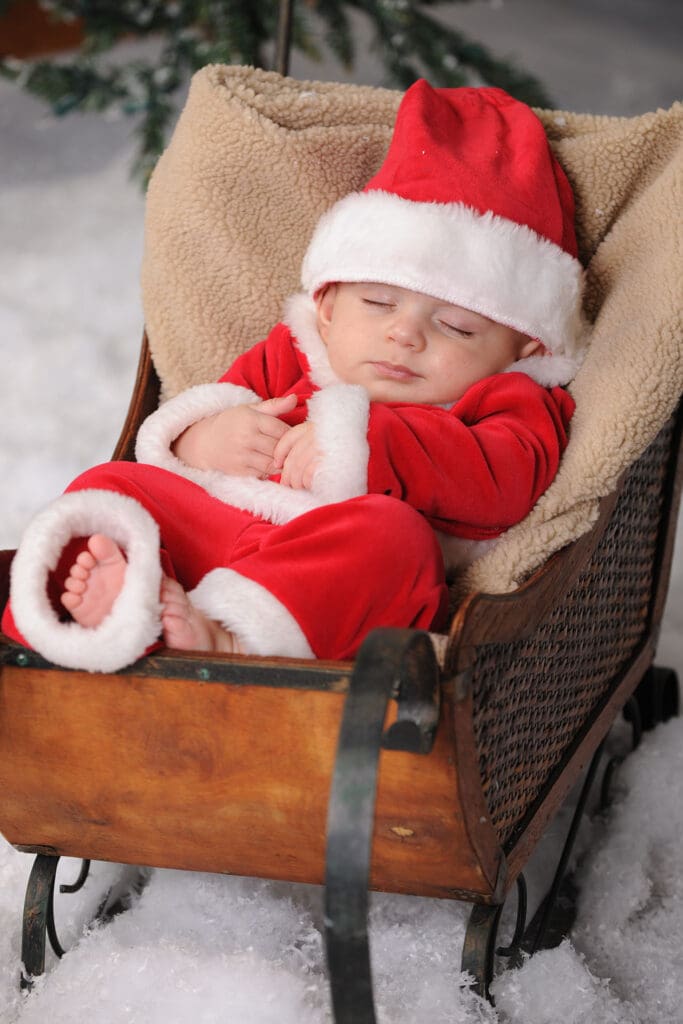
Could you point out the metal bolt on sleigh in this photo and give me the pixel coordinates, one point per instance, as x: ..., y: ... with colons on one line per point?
x: 433, y: 762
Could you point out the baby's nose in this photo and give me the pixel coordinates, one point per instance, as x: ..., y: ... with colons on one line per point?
x: 406, y: 330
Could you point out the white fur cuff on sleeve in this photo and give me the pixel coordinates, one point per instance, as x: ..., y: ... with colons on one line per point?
x: 160, y: 430
x: 340, y: 414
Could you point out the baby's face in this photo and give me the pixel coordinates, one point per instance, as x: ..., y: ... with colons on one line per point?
x: 404, y: 346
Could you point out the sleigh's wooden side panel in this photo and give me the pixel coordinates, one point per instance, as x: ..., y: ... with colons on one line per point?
x: 216, y: 776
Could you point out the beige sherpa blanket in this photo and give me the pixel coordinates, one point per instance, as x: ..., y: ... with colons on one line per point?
x: 256, y: 158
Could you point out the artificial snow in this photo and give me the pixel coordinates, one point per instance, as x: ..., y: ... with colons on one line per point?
x: 199, y: 949
x: 557, y: 986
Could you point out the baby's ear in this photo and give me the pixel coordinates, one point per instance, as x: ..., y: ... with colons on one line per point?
x: 531, y: 347
x: 324, y: 302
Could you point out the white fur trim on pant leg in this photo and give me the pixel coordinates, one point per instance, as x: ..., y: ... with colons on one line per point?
x: 259, y: 621
x: 133, y: 623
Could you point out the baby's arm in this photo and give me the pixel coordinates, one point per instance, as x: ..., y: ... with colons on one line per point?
x: 240, y: 440
x: 478, y: 468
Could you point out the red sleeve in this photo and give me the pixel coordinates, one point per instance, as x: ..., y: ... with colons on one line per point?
x: 270, y: 368
x: 479, y: 467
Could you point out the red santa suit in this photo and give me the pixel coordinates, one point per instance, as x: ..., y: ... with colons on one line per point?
x: 293, y: 572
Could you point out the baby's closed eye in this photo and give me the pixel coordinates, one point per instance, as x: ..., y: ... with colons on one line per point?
x: 453, y: 328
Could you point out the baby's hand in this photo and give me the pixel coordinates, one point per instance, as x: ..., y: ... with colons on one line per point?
x: 240, y: 441
x: 297, y: 454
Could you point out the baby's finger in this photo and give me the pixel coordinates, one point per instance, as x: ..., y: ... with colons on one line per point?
x: 284, y: 446
x: 277, y: 406
x: 262, y: 444
x: 260, y: 465
x: 298, y: 477
x: 305, y: 471
x: 271, y: 426
x: 288, y: 475
x: 296, y: 465
x: 309, y: 473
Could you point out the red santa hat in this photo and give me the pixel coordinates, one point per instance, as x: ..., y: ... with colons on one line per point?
x: 470, y: 206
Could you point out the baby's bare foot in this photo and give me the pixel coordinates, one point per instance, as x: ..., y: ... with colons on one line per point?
x: 94, y: 581
x: 186, y: 628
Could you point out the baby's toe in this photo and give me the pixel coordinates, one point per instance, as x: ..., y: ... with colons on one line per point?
x: 85, y: 561
x: 70, y: 601
x: 74, y: 585
x: 103, y: 547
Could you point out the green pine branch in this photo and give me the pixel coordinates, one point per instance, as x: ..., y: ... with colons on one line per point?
x: 409, y: 41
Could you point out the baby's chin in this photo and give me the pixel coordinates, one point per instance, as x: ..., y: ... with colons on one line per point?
x: 407, y: 392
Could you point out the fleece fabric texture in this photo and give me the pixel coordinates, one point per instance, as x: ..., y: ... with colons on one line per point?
x: 256, y: 159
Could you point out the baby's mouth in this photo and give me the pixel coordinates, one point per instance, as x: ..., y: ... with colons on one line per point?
x: 394, y: 371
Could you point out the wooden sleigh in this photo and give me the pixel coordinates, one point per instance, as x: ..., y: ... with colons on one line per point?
x: 430, y: 765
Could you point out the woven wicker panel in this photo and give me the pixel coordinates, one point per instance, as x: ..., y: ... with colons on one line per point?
x: 532, y: 697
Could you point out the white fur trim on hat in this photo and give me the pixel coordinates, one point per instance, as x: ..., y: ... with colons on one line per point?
x: 259, y: 621
x: 133, y: 623
x: 483, y: 262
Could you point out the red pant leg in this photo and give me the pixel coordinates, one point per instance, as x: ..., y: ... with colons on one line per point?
x: 155, y: 516
x: 315, y: 586
x: 339, y: 571
x: 196, y: 531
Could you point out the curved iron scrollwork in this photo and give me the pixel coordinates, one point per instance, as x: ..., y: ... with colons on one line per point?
x: 479, y: 949
x: 39, y: 915
x: 80, y: 881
